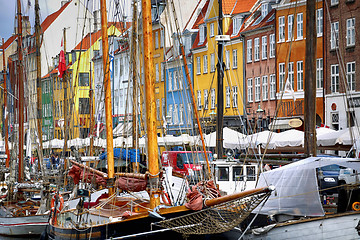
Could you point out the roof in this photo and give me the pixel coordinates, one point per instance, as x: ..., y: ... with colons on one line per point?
x: 268, y: 20
x: 201, y: 16
x: 52, y: 17
x: 232, y: 7
x: 9, y: 41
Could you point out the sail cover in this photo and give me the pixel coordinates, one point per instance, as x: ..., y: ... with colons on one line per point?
x: 296, y: 188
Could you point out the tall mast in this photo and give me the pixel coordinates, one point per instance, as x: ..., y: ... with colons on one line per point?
x: 152, y: 144
x: 91, y: 94
x: 38, y: 80
x: 134, y: 85
x: 220, y: 89
x: 107, y: 87
x: 21, y: 93
x: 7, y: 151
x: 310, y: 80
x: 65, y: 115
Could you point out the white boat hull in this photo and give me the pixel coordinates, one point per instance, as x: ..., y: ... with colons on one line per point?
x: 339, y: 226
x: 23, y: 226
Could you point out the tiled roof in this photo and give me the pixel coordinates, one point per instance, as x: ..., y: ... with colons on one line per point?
x: 201, y: 16
x: 9, y: 41
x: 237, y: 6
x: 267, y: 21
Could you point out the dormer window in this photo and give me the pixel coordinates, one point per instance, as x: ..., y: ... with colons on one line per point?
x: 264, y: 9
x: 202, y: 33
x: 237, y: 21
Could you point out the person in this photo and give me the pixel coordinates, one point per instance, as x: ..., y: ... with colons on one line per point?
x: 53, y: 162
x: 57, y: 161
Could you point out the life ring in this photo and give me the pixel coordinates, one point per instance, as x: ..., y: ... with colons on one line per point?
x: 165, y: 198
x: 356, y: 206
x: 60, y: 199
x: 54, y: 215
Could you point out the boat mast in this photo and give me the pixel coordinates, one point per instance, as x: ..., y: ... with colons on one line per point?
x: 310, y: 80
x: 107, y: 86
x: 7, y: 151
x: 134, y: 85
x: 65, y: 107
x: 220, y: 89
x: 38, y: 83
x: 91, y: 95
x: 152, y: 144
x: 21, y: 93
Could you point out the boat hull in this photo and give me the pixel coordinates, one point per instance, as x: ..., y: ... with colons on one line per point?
x: 339, y: 226
x: 23, y: 226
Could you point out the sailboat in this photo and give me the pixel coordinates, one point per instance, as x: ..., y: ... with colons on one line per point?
x: 127, y: 215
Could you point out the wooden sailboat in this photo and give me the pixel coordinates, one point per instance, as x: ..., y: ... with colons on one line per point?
x: 128, y: 215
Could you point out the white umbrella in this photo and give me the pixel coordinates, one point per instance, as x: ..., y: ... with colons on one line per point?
x: 76, y: 142
x: 289, y: 138
x: 348, y: 136
x: 263, y: 138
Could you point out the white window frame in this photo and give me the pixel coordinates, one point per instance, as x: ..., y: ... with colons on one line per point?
x: 227, y: 96
x: 175, y: 114
x: 227, y: 59
x: 198, y: 65
x: 162, y: 72
x: 290, y: 27
x: 205, y: 63
x: 257, y: 89
x: 213, y: 98
x: 282, y: 29
x: 350, y: 32
x: 206, y: 99
x: 163, y: 108
x: 235, y: 60
x: 235, y: 96
x: 249, y: 50
x: 181, y: 114
x: 272, y: 45
x: 175, y: 86
x: 334, y: 78
x: 334, y: 2
x: 281, y: 76
x: 189, y: 114
x: 334, y: 37
x: 162, y: 35
x: 319, y: 22
x: 199, y: 99
x: 212, y: 29
x: 212, y: 62
x: 158, y: 109
x: 264, y: 47
x: 250, y: 90
x: 272, y: 86
x: 300, y: 26
x: 300, y: 75
x: 319, y: 73
x: 156, y: 72
x: 156, y: 39
x: 351, y: 76
x: 264, y: 86
x: 256, y: 49
x: 291, y: 74
x: 202, y: 34
x: 170, y: 81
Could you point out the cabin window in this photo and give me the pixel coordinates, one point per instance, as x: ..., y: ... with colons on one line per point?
x: 250, y: 173
x: 223, y: 174
x: 238, y: 174
x: 84, y: 106
x: 179, y: 162
x: 84, y: 79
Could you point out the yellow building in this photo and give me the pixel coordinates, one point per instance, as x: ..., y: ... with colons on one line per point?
x: 205, y: 58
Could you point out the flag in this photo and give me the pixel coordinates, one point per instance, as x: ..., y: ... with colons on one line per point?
x: 62, y: 62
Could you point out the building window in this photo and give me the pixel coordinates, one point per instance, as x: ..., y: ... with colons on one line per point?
x: 212, y: 62
x: 176, y: 115
x: 162, y: 33
x: 83, y: 80
x: 335, y: 120
x: 281, y: 29
x: 213, y: 98
x: 291, y: 74
x: 235, y: 60
x: 157, y: 72
x: 350, y: 32
x: 334, y: 2
x: 236, y: 25
x: 249, y: 50
x: 175, y: 86
x: 235, y: 96
x: 272, y: 86
x: 156, y: 40
x: 227, y: 59
x: 180, y: 79
x: 198, y: 65
x: 158, y: 109
x: 256, y: 49
x: 250, y: 89
x: 319, y: 22
x: 290, y: 27
x: 163, y: 108
x: 170, y: 113
x: 300, y: 75
x: 300, y: 22
x: 206, y: 99
x: 257, y: 89
x: 264, y: 47
x: 265, y: 88
x: 281, y: 76
x: 181, y: 113
x: 84, y: 106
x: 319, y: 73
x: 350, y: 75
x: 199, y: 99
x: 162, y: 72
x: 202, y: 34
x: 205, y: 58
x: 334, y: 35
x: 170, y: 81
x: 227, y: 97
x: 272, y: 45
x: 211, y: 29
x: 335, y: 78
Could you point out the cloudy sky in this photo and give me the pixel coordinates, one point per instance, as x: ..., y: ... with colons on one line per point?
x: 8, y: 7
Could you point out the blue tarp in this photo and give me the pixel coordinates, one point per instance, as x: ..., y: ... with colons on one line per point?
x: 126, y: 154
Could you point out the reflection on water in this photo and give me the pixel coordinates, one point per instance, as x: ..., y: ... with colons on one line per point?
x: 22, y: 238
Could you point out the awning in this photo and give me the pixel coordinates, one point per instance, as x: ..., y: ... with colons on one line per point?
x: 286, y: 123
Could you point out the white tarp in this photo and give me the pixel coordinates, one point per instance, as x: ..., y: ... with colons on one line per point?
x: 289, y: 138
x: 296, y: 188
x: 262, y: 138
x: 231, y: 139
x: 345, y: 137
x: 54, y: 143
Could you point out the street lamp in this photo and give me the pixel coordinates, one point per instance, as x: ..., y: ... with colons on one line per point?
x: 260, y: 112
x: 212, y: 116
